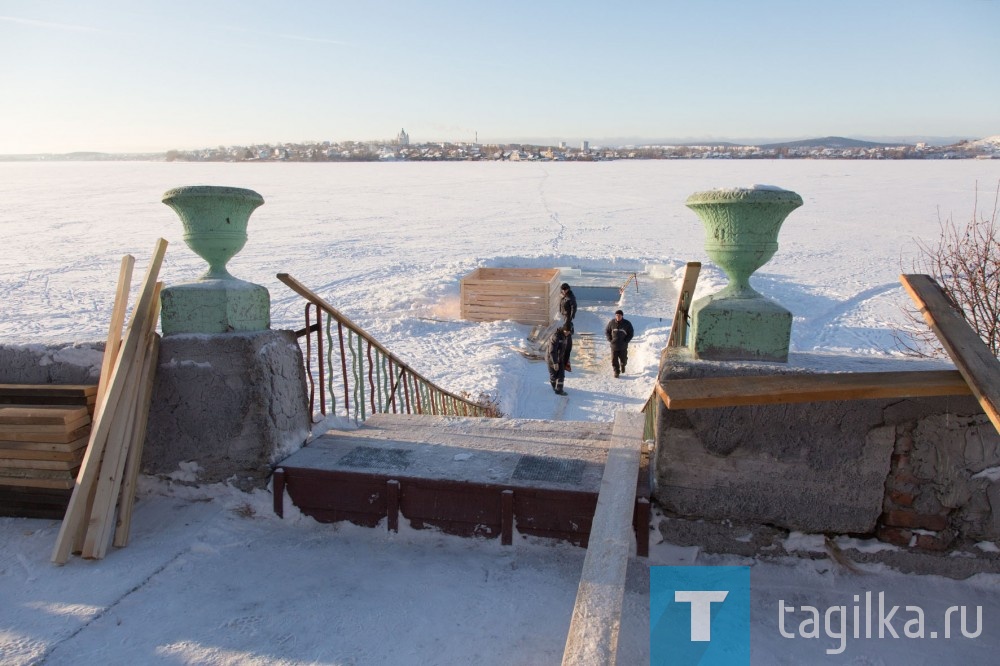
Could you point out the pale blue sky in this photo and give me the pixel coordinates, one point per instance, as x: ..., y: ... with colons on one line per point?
x: 122, y: 75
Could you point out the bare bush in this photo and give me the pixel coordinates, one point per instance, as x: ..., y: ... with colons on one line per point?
x: 965, y: 261
x: 489, y: 402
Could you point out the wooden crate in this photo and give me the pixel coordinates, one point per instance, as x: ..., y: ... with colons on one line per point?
x: 524, y: 295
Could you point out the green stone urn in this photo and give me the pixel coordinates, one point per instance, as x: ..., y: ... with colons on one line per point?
x: 215, y: 226
x: 741, y: 235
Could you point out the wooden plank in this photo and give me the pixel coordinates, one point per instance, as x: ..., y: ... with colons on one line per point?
x: 593, y: 631
x: 971, y: 356
x: 72, y: 463
x: 507, y: 287
x: 28, y: 454
x: 41, y: 414
x: 112, y: 348
x: 55, y: 437
x: 780, y: 389
x: 14, y: 432
x: 120, y: 439
x: 114, y: 340
x: 72, y: 447
x: 75, y: 512
x: 678, y: 327
x: 134, y: 462
x: 28, y: 473
x: 21, y: 496
x: 63, y: 484
x: 512, y: 274
x: 81, y: 391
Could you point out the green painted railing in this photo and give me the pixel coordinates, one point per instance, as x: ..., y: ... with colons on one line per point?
x: 649, y: 411
x: 341, y: 359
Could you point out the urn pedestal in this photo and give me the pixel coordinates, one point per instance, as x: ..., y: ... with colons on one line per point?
x: 215, y: 227
x: 738, y: 323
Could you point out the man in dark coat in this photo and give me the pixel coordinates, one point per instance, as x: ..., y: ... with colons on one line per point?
x: 557, y: 356
x: 619, y: 333
x: 567, y: 310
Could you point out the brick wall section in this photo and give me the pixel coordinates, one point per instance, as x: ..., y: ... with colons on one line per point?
x: 935, y: 490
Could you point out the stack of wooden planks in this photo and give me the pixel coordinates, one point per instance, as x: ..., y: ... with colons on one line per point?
x: 44, y: 430
x: 105, y: 484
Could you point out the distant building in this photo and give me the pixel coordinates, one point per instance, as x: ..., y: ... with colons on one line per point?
x: 403, y: 139
x: 585, y: 146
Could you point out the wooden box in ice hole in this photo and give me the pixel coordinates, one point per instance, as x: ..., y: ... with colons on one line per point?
x: 524, y: 295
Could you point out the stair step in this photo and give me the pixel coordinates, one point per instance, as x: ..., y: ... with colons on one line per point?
x: 467, y: 476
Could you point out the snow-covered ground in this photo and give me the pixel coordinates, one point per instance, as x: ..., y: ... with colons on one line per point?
x: 212, y: 577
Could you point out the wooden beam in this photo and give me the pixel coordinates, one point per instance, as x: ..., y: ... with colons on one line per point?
x: 133, y: 465
x: 970, y: 354
x: 780, y: 389
x: 76, y: 512
x: 114, y: 339
x: 112, y: 346
x: 119, y: 442
x: 42, y: 393
x: 593, y: 630
x: 67, y: 417
x: 678, y: 327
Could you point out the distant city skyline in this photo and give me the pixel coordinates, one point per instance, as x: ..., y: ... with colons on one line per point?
x: 114, y: 76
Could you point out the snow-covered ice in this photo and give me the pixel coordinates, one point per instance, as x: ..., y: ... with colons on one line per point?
x: 213, y: 577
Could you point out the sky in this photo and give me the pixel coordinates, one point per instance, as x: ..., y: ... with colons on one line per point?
x: 119, y: 76
x: 211, y: 576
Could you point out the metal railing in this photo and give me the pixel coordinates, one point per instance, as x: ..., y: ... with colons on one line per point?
x: 341, y: 359
x: 634, y: 277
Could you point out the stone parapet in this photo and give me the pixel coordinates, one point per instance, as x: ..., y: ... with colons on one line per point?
x: 234, y: 404
x: 921, y: 472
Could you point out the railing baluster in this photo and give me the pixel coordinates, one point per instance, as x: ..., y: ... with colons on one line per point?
x: 393, y: 385
x: 357, y: 371
x: 386, y: 379
x: 308, y: 360
x: 406, y: 391
x: 343, y: 369
x: 416, y: 394
x: 371, y: 378
x: 385, y: 371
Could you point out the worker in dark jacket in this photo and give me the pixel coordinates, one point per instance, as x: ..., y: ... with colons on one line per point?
x: 557, y: 356
x: 567, y: 310
x: 619, y: 333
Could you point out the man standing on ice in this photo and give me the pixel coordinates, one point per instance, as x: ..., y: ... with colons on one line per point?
x: 567, y: 310
x: 557, y: 356
x: 619, y: 333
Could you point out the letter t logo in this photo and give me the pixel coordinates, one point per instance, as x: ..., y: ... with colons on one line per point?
x: 701, y: 610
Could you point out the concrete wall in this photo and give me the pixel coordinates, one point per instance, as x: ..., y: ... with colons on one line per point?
x: 910, y: 470
x: 71, y: 363
x: 234, y: 404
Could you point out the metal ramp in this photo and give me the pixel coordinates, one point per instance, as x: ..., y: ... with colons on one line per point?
x: 467, y: 476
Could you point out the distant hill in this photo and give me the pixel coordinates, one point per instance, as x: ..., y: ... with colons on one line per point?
x: 831, y: 142
x: 990, y: 142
